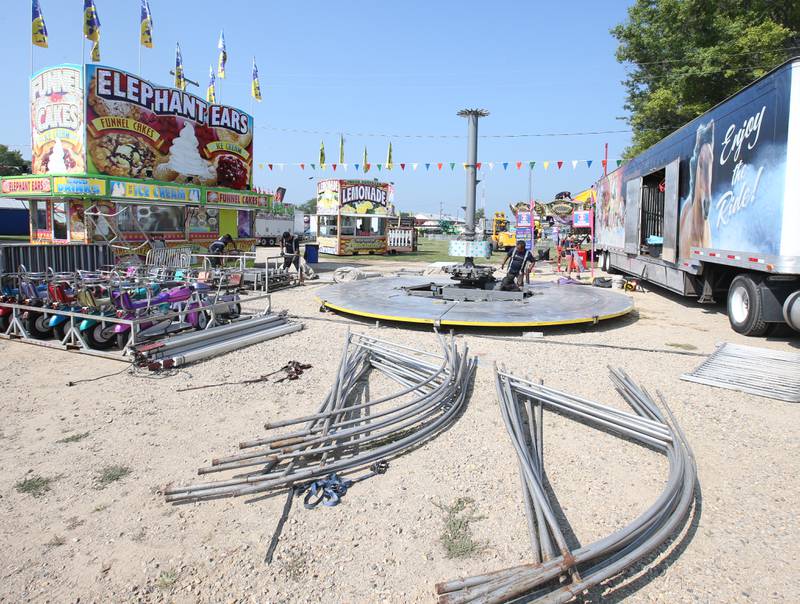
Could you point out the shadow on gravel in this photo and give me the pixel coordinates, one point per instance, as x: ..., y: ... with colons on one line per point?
x: 640, y: 574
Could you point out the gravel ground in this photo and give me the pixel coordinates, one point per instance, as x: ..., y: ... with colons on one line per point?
x: 86, y: 541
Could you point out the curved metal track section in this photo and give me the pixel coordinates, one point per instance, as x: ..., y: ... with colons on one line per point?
x: 557, y: 573
x: 347, y: 435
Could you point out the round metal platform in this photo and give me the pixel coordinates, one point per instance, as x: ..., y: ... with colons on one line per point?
x: 550, y: 304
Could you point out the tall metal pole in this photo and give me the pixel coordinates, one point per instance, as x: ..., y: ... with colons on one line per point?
x: 472, y: 116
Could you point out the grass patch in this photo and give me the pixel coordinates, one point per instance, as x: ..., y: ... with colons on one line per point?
x: 111, y: 474
x: 457, y: 534
x: 428, y: 250
x: 682, y: 346
x: 166, y: 579
x: 36, y: 486
x: 73, y: 438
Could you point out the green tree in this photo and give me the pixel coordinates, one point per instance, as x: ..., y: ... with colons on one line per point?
x: 479, y: 214
x: 688, y: 55
x: 309, y: 207
x: 12, y: 163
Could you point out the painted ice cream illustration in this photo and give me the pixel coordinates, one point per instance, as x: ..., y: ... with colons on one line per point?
x: 184, y: 162
x: 56, y: 164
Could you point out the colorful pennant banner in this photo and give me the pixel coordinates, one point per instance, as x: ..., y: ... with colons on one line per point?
x: 365, y: 166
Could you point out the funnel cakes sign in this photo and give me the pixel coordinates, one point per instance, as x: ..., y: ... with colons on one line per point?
x: 137, y: 129
x: 57, y: 127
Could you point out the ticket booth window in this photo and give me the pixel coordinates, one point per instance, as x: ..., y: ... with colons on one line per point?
x: 38, y: 211
x: 60, y: 230
x: 327, y: 226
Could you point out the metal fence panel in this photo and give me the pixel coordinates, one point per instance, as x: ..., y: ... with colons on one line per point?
x: 61, y: 258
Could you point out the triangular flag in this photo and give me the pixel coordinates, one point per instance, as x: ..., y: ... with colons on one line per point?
x: 313, y: 167
x: 588, y: 163
x: 334, y: 167
x: 356, y: 165
x: 491, y: 165
x: 302, y: 166
x: 478, y: 165
x: 453, y: 165
x: 414, y: 167
x: 379, y: 167
x: 270, y: 166
x: 546, y: 164
x: 559, y: 163
x: 427, y: 166
x: 604, y: 162
x: 505, y: 165
x: 343, y: 167
x: 531, y: 164
x: 619, y: 161
x: 440, y: 165
x: 519, y: 165
x: 402, y: 166
x: 367, y: 167
x: 574, y: 163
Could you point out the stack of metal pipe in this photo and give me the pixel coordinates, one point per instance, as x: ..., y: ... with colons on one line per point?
x: 196, y: 345
x: 559, y: 573
x: 350, y: 431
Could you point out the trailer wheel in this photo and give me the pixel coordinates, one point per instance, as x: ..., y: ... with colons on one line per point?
x: 745, y: 308
x: 271, y: 242
x: 262, y: 242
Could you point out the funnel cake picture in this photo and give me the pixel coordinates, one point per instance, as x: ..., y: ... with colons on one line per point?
x: 122, y: 154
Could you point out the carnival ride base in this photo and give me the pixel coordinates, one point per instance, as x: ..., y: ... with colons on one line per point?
x: 550, y: 304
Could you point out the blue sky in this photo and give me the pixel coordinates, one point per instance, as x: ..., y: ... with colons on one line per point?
x: 402, y: 68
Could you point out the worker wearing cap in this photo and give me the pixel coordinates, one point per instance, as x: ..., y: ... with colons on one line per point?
x: 217, y: 248
x: 521, y: 265
x: 290, y: 249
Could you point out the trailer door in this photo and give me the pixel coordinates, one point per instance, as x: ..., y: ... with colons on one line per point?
x: 669, y: 252
x: 633, y: 199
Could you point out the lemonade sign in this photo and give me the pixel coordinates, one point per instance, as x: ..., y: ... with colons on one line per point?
x: 364, y: 197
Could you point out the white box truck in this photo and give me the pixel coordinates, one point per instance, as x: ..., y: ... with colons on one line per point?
x: 713, y: 209
x: 269, y: 228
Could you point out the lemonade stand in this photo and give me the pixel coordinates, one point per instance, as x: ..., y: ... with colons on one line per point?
x: 352, y: 216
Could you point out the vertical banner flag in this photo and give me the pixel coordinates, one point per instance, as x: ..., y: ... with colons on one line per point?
x: 91, y: 27
x: 180, y: 80
x: 146, y: 25
x: 256, y: 86
x: 389, y: 157
x: 211, y: 91
x: 38, y: 28
x: 341, y: 148
x: 366, y: 160
x: 321, y: 155
x: 223, y: 55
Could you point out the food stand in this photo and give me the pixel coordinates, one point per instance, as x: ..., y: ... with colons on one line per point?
x: 125, y: 159
x: 352, y: 216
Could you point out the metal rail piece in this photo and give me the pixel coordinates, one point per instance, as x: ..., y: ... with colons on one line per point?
x: 557, y: 572
x: 349, y: 431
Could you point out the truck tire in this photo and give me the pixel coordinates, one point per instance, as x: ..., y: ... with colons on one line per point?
x: 271, y: 242
x: 262, y: 242
x: 791, y: 310
x: 745, y: 308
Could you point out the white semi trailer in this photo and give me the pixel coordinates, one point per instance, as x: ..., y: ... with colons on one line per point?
x: 713, y: 210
